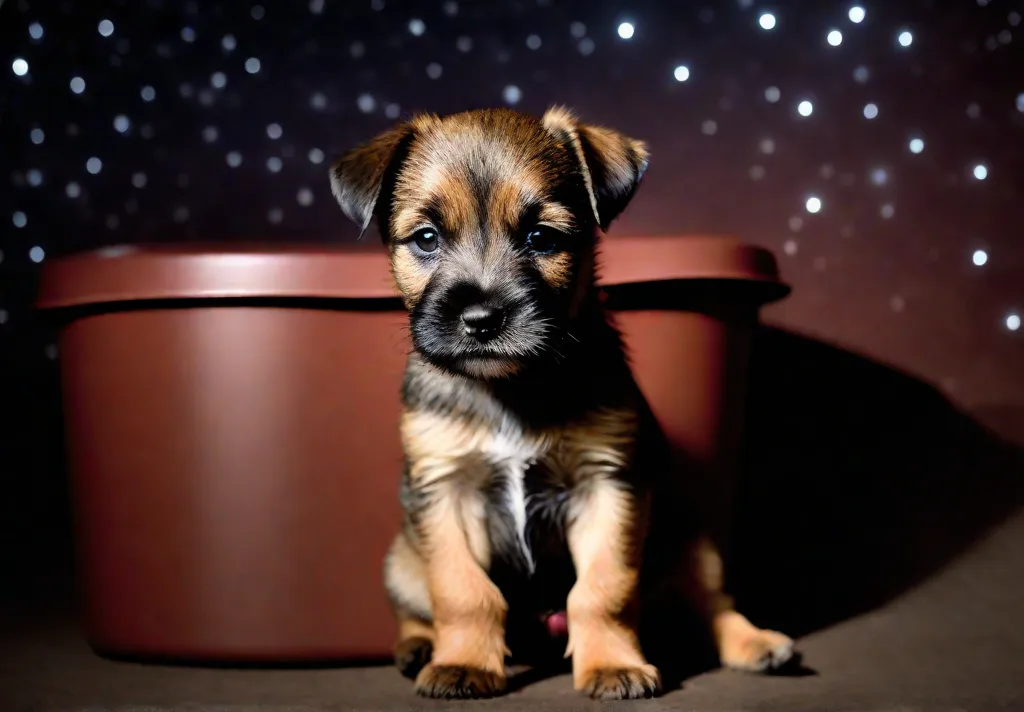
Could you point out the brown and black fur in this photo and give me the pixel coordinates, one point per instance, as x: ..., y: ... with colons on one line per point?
x: 536, y: 479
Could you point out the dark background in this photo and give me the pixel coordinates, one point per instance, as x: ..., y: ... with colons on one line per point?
x: 193, y: 145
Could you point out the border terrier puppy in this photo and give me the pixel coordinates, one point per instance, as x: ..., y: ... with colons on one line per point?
x: 536, y: 478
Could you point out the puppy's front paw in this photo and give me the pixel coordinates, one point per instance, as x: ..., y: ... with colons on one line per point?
x: 626, y: 683
x: 757, y: 651
x: 455, y: 682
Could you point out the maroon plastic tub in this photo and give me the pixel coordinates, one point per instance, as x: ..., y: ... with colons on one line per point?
x: 232, y: 428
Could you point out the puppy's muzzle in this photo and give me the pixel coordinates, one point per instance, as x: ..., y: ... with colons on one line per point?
x: 482, y: 322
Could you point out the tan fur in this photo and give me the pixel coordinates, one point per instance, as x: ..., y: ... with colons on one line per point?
x: 482, y: 181
x: 603, y: 604
x: 468, y: 609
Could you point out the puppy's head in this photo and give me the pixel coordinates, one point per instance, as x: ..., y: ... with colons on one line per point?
x: 490, y: 218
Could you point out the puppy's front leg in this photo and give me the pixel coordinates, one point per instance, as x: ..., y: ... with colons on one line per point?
x: 605, y: 536
x: 469, y: 611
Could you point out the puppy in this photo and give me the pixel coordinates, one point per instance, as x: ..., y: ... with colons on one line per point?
x: 536, y: 478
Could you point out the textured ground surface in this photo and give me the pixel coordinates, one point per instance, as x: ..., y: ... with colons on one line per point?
x: 954, y: 643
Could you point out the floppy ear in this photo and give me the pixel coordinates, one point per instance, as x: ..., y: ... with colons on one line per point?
x: 613, y: 164
x: 358, y: 176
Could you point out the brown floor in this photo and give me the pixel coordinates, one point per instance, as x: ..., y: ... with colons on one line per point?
x: 954, y: 643
x: 887, y: 531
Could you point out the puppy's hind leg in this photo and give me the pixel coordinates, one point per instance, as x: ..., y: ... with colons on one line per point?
x: 741, y: 645
x: 406, y: 581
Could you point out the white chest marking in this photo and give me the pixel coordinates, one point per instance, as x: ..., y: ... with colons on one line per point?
x: 514, y: 452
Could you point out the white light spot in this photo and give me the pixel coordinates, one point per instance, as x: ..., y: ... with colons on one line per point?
x: 37, y: 136
x: 835, y: 38
x: 20, y: 67
x: 229, y: 43
x: 916, y: 145
x: 316, y: 6
x: 1020, y: 102
x: 37, y: 254
x: 626, y: 30
x: 35, y: 31
x: 586, y: 46
x: 681, y: 73
x: 73, y: 190
x: 511, y: 94
x: 979, y: 258
x: 897, y: 303
x: 870, y: 111
x: 218, y: 80
x: 121, y: 123
x: 879, y: 176
x: 887, y: 211
x: 756, y: 172
x: 234, y: 159
x: 1013, y: 322
x: 392, y: 111
x: 861, y: 74
x: 274, y: 164
x: 789, y: 247
x: 316, y: 155
x: 77, y: 85
x: 305, y: 197
x: 767, y: 145
x: 94, y: 165
x: 980, y: 171
x: 577, y: 30
x: 905, y: 38
x: 533, y: 42
x: 434, y: 70
x: 366, y: 103
x: 19, y: 219
x: 106, y: 28
x: 709, y: 127
x: 252, y: 65
x: 274, y: 131
x: 275, y: 215
x: 813, y: 204
x: 417, y: 27
x: 188, y: 34
x: 766, y: 21
x: 148, y: 93
x: 772, y: 94
x: 210, y: 134
x: 34, y: 177
x: 856, y: 14
x: 464, y: 44
x: 805, y: 108
x: 139, y: 180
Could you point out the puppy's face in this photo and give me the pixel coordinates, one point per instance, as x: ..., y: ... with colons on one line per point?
x: 490, y: 218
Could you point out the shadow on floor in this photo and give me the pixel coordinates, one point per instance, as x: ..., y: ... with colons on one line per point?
x: 858, y: 483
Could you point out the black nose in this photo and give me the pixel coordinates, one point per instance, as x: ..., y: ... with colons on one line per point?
x: 481, y: 322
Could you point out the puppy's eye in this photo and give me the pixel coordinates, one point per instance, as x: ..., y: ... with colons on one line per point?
x: 425, y: 239
x: 542, y: 240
